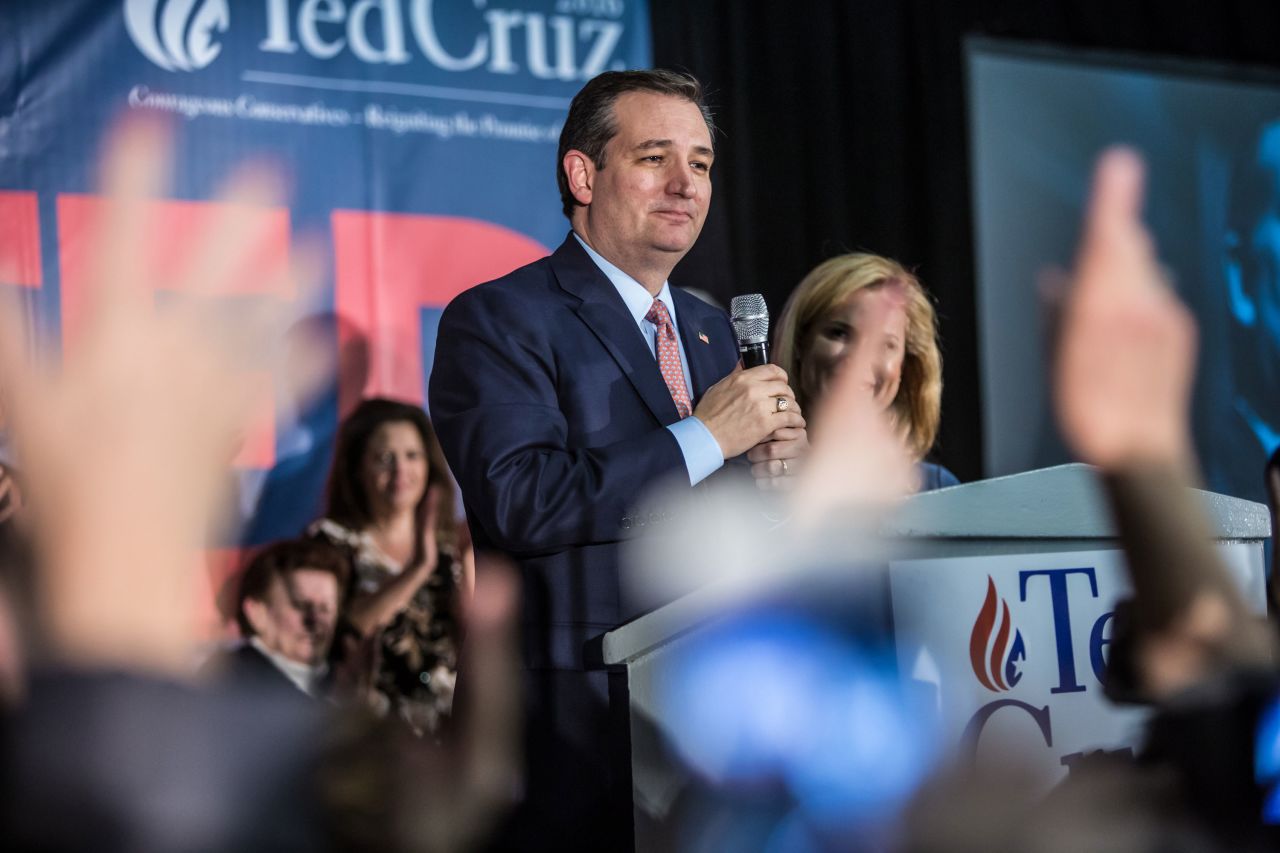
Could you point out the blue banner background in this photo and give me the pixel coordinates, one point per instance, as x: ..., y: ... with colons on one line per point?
x: 437, y: 108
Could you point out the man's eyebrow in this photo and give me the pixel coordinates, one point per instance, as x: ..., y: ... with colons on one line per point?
x: 654, y: 143
x: 667, y: 143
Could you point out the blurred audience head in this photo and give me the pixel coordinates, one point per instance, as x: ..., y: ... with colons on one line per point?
x: 386, y: 459
x: 830, y: 310
x: 289, y: 598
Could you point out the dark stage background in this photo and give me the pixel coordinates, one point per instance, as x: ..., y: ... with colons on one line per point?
x: 844, y: 128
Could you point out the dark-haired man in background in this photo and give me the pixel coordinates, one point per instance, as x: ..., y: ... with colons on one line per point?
x: 288, y: 607
x: 563, y: 389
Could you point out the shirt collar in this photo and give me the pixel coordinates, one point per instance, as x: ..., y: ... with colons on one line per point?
x: 305, y: 678
x: 634, y: 294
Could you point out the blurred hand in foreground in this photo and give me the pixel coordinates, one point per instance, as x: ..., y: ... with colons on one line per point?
x: 125, y: 446
x: 1125, y: 368
x: 1127, y: 348
x: 451, y: 797
x: 124, y: 451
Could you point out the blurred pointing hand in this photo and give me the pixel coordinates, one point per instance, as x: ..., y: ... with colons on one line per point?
x: 125, y: 447
x: 1127, y: 349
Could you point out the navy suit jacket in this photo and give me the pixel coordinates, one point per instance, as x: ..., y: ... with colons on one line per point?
x: 551, y: 410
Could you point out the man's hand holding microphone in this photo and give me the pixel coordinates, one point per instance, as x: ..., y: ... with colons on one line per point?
x: 753, y: 410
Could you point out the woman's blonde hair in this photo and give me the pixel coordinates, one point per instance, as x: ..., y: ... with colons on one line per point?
x: 917, y: 408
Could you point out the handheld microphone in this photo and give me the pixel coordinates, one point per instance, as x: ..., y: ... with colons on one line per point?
x: 750, y: 318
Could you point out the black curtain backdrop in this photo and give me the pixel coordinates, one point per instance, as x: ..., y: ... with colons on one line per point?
x: 844, y: 128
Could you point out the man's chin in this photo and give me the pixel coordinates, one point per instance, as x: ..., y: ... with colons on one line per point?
x: 675, y: 246
x: 675, y: 237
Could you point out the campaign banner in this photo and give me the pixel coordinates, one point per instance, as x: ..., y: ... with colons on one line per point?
x: 1012, y: 649
x: 417, y: 137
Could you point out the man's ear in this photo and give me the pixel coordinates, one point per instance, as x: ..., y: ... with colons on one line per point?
x: 1240, y: 299
x: 255, y: 612
x: 581, y: 173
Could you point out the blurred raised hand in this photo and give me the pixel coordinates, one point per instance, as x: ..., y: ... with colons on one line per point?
x: 1124, y: 373
x: 1126, y: 357
x: 125, y: 444
x: 452, y: 796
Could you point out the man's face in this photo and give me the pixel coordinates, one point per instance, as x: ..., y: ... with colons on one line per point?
x: 653, y: 194
x: 296, y: 617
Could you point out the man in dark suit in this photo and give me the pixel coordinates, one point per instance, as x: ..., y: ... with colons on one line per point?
x: 564, y: 389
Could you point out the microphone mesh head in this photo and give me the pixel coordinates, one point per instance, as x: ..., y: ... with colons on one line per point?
x: 750, y: 318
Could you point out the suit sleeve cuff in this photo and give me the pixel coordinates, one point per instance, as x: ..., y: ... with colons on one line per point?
x: 702, y: 456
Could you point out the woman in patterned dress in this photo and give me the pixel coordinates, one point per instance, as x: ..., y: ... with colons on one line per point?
x: 391, y: 506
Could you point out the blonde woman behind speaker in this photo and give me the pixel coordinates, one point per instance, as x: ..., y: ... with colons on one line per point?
x: 830, y: 313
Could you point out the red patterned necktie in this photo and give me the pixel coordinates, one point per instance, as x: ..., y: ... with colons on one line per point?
x: 669, y: 357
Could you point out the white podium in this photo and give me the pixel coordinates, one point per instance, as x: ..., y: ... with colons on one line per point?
x: 999, y: 595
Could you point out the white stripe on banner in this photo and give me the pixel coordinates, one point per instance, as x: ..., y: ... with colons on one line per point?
x: 389, y: 88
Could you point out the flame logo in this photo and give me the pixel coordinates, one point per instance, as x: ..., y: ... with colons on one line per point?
x: 996, y: 661
x: 177, y: 35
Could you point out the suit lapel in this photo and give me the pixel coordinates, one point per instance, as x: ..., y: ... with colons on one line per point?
x: 604, y: 312
x: 690, y: 311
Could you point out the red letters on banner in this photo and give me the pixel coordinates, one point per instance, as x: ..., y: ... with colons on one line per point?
x: 389, y: 267
x: 19, y: 239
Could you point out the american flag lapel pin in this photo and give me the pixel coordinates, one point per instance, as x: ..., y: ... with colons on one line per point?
x: 702, y: 336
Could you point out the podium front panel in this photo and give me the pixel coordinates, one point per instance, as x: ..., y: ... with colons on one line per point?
x: 1011, y: 648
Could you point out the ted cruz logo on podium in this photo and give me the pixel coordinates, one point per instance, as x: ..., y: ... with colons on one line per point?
x: 177, y: 35
x: 999, y: 658
x: 996, y: 658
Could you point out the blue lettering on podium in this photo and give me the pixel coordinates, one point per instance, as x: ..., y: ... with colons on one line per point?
x: 1096, y: 644
x: 1058, y: 595
x: 973, y: 730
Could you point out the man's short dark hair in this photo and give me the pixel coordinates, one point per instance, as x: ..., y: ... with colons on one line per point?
x: 590, y: 123
x: 282, y: 558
